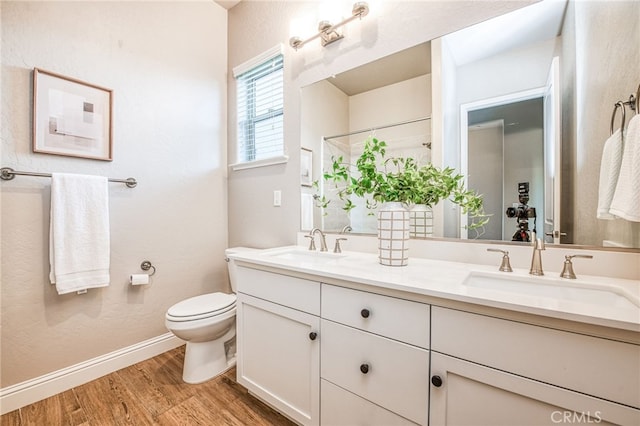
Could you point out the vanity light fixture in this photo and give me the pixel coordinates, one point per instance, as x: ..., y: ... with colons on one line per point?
x: 328, y: 32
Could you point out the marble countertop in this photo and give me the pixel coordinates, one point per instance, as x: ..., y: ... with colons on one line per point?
x: 603, y: 301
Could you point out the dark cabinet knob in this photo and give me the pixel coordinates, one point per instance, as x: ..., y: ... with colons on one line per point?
x: 313, y: 335
x: 364, y: 368
x: 365, y: 313
x: 436, y: 381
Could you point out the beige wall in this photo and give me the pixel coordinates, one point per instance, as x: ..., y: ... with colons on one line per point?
x: 396, y: 26
x: 605, y: 74
x: 166, y: 62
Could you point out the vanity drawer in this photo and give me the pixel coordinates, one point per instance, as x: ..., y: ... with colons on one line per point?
x: 594, y: 366
x: 397, y: 377
x: 296, y: 293
x: 391, y: 317
x: 340, y: 407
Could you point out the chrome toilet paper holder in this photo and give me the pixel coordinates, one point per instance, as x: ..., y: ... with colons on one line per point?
x: 146, y: 265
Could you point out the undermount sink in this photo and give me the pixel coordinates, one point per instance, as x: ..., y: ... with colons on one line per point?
x: 555, y: 289
x: 302, y: 255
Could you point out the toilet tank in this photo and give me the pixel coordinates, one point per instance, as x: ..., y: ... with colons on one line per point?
x: 231, y: 265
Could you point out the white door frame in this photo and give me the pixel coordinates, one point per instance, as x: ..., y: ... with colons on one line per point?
x: 465, y: 109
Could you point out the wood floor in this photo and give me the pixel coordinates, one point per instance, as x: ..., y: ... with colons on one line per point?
x: 150, y: 393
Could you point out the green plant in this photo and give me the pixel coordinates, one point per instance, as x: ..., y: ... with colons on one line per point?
x: 398, y: 179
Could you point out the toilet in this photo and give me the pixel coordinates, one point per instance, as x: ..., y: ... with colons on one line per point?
x: 208, y: 324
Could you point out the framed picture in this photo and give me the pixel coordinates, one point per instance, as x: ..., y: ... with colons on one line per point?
x: 71, y: 117
x: 306, y: 167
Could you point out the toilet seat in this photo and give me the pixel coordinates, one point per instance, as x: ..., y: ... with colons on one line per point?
x: 201, y: 307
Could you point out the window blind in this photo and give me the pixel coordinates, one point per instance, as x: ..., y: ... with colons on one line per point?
x: 260, y: 92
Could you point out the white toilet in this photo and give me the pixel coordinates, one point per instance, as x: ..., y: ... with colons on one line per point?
x: 208, y: 324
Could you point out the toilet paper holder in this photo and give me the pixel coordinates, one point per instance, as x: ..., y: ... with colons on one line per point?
x: 146, y: 265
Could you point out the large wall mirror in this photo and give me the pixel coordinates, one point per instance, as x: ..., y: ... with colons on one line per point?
x: 520, y: 105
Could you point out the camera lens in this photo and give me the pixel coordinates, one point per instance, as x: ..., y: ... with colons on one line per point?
x: 511, y: 212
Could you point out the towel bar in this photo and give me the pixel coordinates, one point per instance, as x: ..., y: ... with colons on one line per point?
x: 7, y: 173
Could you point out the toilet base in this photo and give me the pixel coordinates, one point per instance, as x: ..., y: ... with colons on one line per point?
x: 205, y: 360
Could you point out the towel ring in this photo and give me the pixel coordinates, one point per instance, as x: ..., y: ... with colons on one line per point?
x: 618, y: 105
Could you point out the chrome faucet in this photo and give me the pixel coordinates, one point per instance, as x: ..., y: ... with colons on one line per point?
x: 323, y: 240
x: 346, y: 229
x: 337, y: 248
x: 567, y: 269
x: 536, y: 259
x: 505, y: 266
x: 312, y: 243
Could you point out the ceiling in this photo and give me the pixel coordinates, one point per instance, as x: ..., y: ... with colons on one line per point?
x: 401, y: 66
x: 517, y: 116
x: 536, y: 22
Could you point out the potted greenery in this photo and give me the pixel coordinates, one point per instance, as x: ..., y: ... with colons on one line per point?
x: 401, y: 181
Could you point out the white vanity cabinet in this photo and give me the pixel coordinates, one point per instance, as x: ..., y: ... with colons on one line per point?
x: 491, y: 371
x: 278, y: 342
x: 331, y: 354
x: 375, y: 359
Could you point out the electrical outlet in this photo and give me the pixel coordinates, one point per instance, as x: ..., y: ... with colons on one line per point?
x: 277, y: 198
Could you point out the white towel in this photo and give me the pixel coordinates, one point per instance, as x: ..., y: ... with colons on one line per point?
x: 609, y: 171
x: 626, y: 200
x: 79, y: 245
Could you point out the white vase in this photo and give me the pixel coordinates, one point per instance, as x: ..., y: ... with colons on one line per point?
x: 420, y: 221
x: 393, y: 234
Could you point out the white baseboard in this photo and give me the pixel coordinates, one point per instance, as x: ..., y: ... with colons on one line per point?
x: 30, y: 391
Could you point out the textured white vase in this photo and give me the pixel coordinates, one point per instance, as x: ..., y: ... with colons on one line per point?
x: 420, y: 221
x: 393, y: 234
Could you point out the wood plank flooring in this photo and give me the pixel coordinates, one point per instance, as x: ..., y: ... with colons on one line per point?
x: 150, y: 393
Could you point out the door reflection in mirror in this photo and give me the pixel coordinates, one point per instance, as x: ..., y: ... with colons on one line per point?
x: 505, y: 150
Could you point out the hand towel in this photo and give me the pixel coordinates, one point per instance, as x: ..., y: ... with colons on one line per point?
x: 626, y: 199
x: 609, y: 171
x: 79, y: 245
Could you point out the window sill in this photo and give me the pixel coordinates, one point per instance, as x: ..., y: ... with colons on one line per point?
x: 260, y: 163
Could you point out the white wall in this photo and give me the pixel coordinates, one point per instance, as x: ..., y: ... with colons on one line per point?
x: 396, y: 25
x: 446, y: 127
x: 515, y: 71
x: 486, y: 174
x: 523, y: 162
x: 395, y: 103
x: 406, y: 100
x: 331, y: 117
x: 166, y: 63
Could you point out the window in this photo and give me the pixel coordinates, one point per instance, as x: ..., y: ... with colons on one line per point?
x: 260, y: 89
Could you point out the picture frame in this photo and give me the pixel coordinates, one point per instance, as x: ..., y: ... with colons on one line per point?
x: 72, y: 118
x: 306, y: 167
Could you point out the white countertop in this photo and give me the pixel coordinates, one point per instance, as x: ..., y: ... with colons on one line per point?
x: 448, y: 280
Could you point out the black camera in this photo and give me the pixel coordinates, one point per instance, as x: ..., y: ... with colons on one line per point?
x: 522, y: 213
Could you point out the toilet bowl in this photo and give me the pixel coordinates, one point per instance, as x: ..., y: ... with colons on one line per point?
x: 208, y: 324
